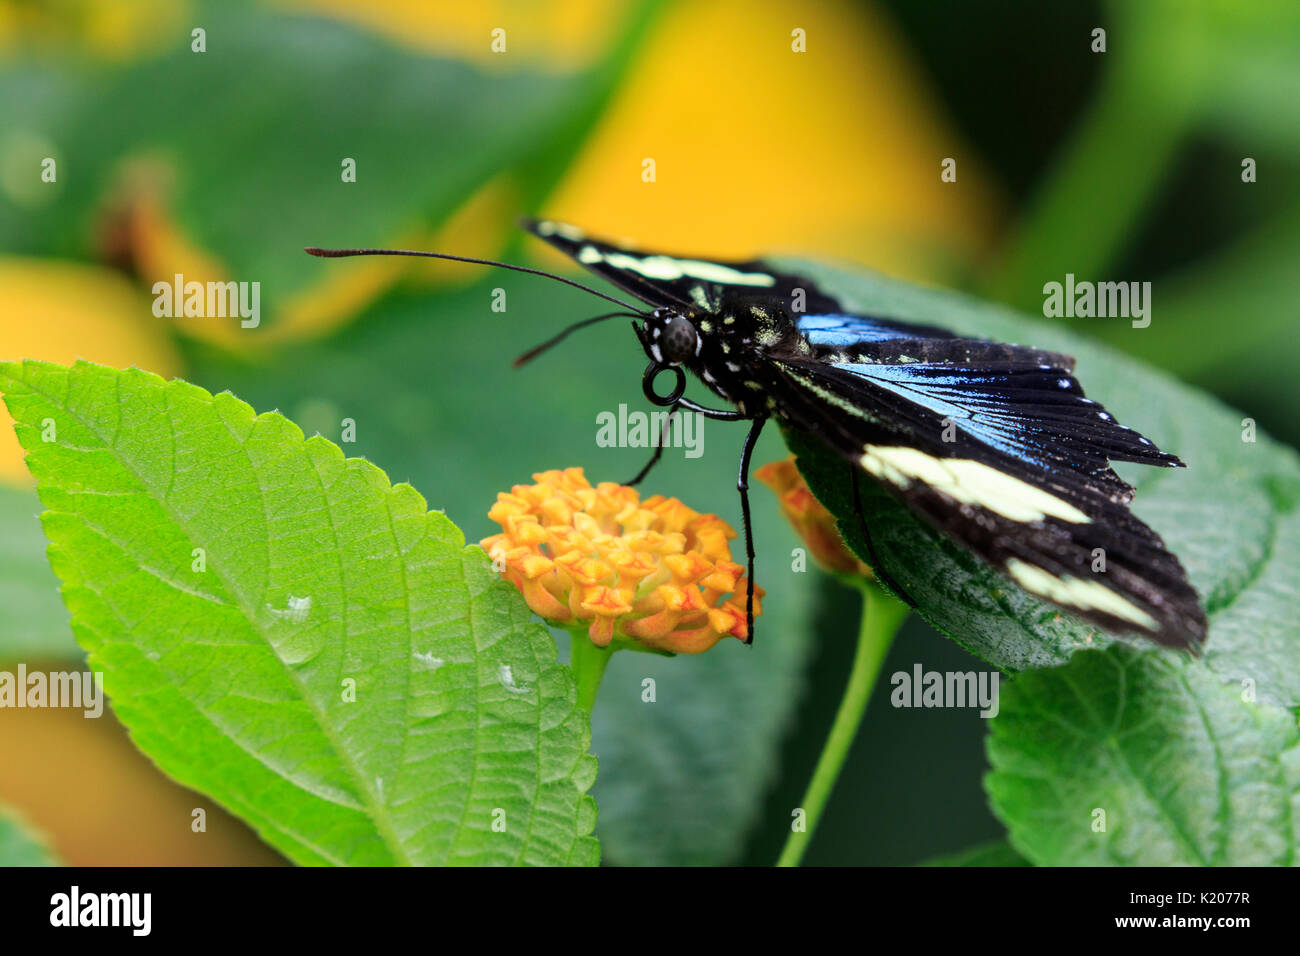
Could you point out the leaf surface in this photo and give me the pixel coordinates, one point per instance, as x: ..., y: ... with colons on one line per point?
x: 1126, y: 757
x: 283, y: 629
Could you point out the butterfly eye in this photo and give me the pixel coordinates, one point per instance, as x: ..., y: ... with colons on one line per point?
x: 678, y: 341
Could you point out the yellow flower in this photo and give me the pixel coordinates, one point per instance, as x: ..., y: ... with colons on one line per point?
x: 811, y: 521
x: 654, y: 572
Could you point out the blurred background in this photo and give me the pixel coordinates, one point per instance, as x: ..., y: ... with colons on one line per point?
x: 816, y: 128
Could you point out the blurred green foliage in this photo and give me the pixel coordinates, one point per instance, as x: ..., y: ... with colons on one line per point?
x: 20, y: 845
x: 1126, y: 165
x: 248, y: 141
x: 28, y: 592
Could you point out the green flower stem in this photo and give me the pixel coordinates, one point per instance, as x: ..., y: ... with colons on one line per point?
x: 588, y: 663
x: 881, y: 616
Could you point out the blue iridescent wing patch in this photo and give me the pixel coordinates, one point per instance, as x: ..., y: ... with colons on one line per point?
x: 841, y: 331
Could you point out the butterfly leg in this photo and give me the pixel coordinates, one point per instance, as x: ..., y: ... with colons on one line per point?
x: 659, y: 449
x: 881, y: 574
x: 718, y: 414
x: 742, y: 485
x: 677, y: 401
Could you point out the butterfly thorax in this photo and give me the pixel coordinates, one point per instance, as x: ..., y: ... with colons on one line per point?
x: 733, y: 337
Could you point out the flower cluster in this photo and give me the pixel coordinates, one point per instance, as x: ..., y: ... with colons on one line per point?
x: 652, y: 572
x: 811, y: 521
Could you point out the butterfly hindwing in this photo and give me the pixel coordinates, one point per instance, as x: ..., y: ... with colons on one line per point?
x: 1023, y: 480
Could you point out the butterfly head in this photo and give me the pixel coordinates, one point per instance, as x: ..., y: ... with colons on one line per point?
x: 670, y: 338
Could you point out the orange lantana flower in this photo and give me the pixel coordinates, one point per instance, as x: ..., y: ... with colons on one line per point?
x: 653, y: 573
x: 811, y: 521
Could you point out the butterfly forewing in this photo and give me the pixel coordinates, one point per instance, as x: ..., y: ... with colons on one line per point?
x: 663, y: 281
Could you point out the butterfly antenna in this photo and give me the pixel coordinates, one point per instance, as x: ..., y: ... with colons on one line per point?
x: 345, y: 253
x: 557, y: 339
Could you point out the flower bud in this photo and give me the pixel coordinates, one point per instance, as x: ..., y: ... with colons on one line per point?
x: 811, y: 521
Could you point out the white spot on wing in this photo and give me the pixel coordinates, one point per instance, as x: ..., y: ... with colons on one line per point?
x: 667, y: 268
x: 970, y: 482
x: 1078, y: 592
x: 548, y: 227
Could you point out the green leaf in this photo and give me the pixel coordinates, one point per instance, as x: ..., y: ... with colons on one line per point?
x: 336, y: 667
x: 427, y: 380
x: 36, y: 623
x: 996, y: 853
x: 1231, y: 516
x: 20, y: 845
x: 1184, y: 771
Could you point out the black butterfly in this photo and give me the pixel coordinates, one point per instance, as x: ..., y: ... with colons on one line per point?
x: 993, y: 444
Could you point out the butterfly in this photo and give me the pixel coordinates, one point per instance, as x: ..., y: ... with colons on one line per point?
x: 995, y: 445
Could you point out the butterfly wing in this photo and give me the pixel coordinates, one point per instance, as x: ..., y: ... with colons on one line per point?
x: 699, y: 285
x: 874, y: 340
x: 658, y: 279
x: 1009, y: 458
